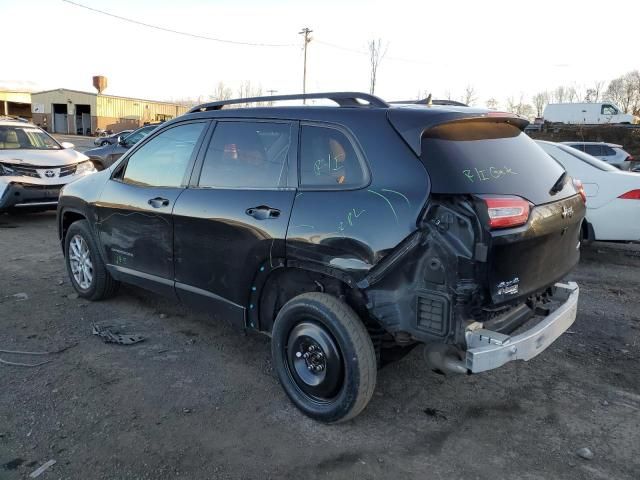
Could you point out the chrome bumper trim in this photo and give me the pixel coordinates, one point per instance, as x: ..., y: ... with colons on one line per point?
x: 487, y: 350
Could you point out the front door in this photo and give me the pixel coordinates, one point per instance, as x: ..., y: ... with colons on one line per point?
x: 231, y: 222
x: 134, y: 209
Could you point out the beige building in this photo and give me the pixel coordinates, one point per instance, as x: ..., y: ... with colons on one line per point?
x: 76, y: 112
x: 17, y: 104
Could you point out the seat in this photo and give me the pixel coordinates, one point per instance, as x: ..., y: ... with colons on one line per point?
x: 11, y: 140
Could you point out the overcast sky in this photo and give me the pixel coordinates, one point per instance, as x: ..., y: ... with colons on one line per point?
x: 501, y: 48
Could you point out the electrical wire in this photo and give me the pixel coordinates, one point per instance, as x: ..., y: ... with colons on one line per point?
x: 178, y: 32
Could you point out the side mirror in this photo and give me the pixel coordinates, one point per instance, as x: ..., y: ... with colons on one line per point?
x: 67, y: 145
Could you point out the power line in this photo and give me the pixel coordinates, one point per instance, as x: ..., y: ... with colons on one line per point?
x: 178, y: 32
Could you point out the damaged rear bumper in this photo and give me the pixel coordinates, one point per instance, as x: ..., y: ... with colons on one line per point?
x: 487, y: 349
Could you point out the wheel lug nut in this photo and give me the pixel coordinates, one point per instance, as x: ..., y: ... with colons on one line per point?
x: 298, y: 354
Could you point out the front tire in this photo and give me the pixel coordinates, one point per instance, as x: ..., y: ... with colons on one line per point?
x: 324, y: 357
x: 85, y: 267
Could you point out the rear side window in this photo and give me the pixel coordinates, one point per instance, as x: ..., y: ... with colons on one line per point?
x: 247, y: 155
x: 163, y: 161
x: 328, y: 160
x: 595, y: 150
x: 488, y: 157
x: 607, y: 151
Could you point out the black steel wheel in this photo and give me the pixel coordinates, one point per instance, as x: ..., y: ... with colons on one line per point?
x: 324, y: 357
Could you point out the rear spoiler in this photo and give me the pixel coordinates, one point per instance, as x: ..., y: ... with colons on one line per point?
x: 411, y: 123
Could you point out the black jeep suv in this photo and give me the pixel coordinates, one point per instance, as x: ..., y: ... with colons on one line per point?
x: 347, y: 234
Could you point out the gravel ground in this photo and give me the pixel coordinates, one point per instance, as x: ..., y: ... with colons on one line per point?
x: 200, y: 400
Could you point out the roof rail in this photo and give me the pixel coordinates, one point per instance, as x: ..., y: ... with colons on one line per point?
x: 343, y: 99
x: 426, y: 101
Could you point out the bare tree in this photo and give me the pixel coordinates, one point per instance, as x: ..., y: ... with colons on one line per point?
x: 594, y: 93
x: 222, y: 92
x: 469, y: 95
x: 376, y: 54
x: 492, y: 104
x: 560, y: 94
x: 540, y: 100
x: 625, y: 91
x: 519, y: 107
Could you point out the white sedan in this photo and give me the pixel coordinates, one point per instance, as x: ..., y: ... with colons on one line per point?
x: 613, y: 196
x: 34, y: 167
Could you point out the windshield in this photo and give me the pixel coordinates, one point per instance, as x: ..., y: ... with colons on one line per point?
x: 585, y: 157
x: 25, y: 137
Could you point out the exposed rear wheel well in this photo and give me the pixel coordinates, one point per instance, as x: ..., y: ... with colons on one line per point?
x: 286, y: 283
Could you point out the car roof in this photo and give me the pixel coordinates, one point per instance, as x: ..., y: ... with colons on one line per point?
x: 613, y: 145
x: 15, y: 123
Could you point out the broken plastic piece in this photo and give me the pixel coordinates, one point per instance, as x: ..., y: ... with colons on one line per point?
x: 113, y: 336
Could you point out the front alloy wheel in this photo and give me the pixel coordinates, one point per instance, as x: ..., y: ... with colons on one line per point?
x: 80, y: 262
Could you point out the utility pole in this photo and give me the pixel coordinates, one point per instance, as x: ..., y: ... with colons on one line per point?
x: 305, y: 31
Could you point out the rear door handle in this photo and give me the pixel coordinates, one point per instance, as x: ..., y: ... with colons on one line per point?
x: 263, y: 212
x: 158, y: 202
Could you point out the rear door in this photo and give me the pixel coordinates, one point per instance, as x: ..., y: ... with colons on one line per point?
x: 231, y: 224
x: 134, y: 210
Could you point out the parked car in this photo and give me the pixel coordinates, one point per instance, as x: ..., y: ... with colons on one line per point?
x: 613, y: 196
x: 34, y: 166
x: 111, y: 139
x: 103, y: 157
x: 344, y: 233
x: 607, y: 152
x: 586, y: 113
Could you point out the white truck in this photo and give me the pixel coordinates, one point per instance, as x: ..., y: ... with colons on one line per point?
x: 587, y: 113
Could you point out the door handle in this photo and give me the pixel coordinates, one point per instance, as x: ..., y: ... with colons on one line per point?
x: 158, y: 202
x: 263, y: 212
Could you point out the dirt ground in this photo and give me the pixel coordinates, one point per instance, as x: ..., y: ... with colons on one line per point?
x: 198, y: 400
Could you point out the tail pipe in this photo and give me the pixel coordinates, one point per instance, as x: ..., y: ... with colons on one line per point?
x: 444, y: 359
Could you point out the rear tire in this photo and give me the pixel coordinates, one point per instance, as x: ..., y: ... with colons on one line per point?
x: 324, y: 357
x: 86, y: 270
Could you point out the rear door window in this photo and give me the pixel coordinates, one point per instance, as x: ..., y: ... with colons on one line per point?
x: 247, y: 155
x: 489, y: 157
x: 607, y: 151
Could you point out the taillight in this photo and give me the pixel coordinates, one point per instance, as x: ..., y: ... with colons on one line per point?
x: 631, y: 195
x: 507, y: 211
x: 580, y: 188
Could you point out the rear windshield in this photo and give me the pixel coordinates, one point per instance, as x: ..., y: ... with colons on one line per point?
x: 489, y: 157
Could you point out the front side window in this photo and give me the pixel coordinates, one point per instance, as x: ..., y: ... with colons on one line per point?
x: 328, y: 159
x: 25, y: 138
x: 247, y: 155
x: 608, y: 110
x: 163, y: 161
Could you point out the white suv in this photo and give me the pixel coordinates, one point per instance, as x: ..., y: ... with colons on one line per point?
x: 611, y: 153
x: 34, y: 167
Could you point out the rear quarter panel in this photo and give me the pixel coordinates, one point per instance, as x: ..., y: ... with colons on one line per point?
x: 352, y: 230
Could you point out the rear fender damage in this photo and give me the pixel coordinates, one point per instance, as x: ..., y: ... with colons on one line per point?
x: 423, y: 291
